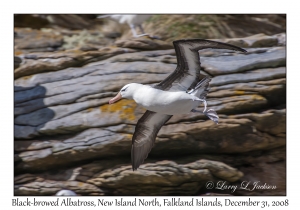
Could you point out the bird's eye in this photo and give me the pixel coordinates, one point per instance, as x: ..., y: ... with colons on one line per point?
x: 124, y: 89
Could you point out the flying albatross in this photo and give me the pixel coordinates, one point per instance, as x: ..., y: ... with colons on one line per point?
x: 180, y: 93
x: 132, y: 21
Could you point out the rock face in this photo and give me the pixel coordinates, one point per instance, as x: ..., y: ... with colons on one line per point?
x: 67, y: 136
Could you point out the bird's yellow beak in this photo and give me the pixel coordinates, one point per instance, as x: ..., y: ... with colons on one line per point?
x: 116, y: 98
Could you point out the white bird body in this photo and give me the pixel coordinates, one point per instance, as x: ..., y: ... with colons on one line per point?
x: 164, y: 102
x: 130, y: 19
x: 66, y: 193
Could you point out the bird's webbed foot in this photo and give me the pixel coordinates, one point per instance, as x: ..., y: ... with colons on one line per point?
x: 140, y: 35
x: 147, y: 35
x: 211, y: 114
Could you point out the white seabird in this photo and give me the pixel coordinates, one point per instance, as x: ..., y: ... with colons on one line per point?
x: 181, y: 92
x: 66, y: 193
x: 131, y: 20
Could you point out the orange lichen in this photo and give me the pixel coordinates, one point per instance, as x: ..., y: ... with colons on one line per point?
x: 27, y: 77
x: 127, y: 136
x: 89, y: 109
x: 239, y: 92
x: 125, y: 108
x: 18, y: 52
x: 258, y: 97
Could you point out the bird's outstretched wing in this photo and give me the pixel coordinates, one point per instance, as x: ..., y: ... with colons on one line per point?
x: 186, y: 76
x: 144, y: 136
x: 187, y: 72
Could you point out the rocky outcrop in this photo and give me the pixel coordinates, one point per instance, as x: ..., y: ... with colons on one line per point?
x: 67, y: 136
x: 258, y: 40
x: 34, y: 63
x: 36, y: 40
x: 182, y: 26
x: 101, y: 178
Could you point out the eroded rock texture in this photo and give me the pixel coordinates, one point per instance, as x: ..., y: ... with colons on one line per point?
x: 67, y: 136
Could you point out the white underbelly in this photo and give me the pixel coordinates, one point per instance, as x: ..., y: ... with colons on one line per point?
x: 170, y: 103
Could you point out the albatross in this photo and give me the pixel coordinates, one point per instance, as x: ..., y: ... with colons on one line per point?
x: 180, y: 93
x: 132, y: 21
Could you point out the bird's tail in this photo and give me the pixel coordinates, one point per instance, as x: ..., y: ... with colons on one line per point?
x: 201, y: 89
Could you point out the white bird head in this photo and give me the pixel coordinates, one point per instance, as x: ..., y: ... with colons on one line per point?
x: 126, y: 92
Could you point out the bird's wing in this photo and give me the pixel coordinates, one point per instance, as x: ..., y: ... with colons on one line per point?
x: 202, y: 88
x: 144, y: 136
x: 187, y: 73
x: 186, y: 76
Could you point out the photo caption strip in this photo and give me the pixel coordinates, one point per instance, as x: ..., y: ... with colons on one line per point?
x: 157, y: 202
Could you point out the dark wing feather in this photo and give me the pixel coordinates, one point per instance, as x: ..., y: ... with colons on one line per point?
x: 202, y: 88
x: 144, y: 136
x: 187, y: 72
x: 186, y: 76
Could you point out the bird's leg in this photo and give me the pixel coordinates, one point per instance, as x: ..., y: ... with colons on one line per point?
x: 133, y: 30
x: 192, y: 90
x: 211, y: 114
x: 205, y: 103
x: 132, y: 26
x: 142, y: 31
x: 141, y: 28
x: 145, y: 34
